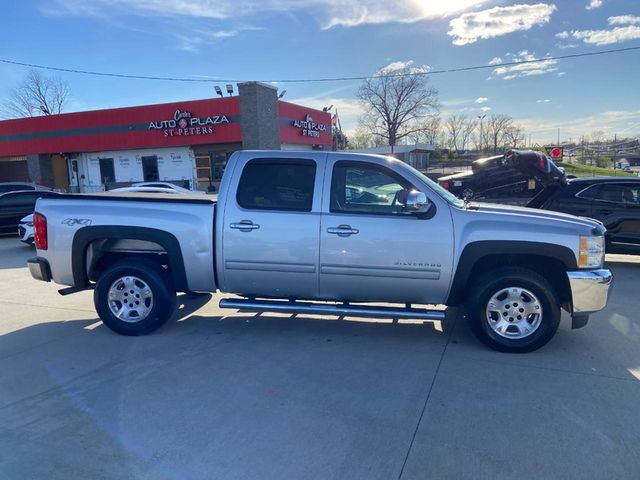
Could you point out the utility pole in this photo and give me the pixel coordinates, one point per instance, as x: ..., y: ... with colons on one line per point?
x: 558, y: 137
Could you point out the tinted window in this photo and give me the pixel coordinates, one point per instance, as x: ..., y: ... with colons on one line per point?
x: 13, y: 187
x: 590, y: 192
x: 26, y: 199
x: 365, y: 188
x: 277, y: 185
x: 620, y: 193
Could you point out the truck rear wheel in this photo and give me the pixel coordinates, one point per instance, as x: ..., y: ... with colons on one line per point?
x: 134, y: 298
x: 513, y: 310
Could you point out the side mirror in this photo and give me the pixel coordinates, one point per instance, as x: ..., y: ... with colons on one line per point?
x: 417, y: 202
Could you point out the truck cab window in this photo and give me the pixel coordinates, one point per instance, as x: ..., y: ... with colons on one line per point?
x: 274, y: 184
x: 358, y: 187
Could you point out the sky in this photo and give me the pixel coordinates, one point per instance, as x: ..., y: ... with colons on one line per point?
x: 271, y: 40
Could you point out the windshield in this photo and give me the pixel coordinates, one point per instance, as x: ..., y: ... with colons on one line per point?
x: 446, y: 195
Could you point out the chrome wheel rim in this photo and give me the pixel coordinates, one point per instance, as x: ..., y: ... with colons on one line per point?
x: 514, y: 313
x: 130, y: 299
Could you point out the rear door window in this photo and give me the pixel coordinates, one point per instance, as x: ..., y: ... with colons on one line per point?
x: 277, y: 184
x: 620, y: 193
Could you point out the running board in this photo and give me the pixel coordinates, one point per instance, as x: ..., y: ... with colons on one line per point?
x: 341, y: 309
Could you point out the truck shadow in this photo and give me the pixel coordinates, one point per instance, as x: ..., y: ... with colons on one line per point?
x: 14, y: 253
x: 300, y: 327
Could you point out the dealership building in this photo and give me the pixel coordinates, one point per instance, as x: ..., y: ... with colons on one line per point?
x: 187, y: 143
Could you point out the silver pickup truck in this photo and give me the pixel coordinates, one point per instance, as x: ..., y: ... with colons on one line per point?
x: 326, y: 233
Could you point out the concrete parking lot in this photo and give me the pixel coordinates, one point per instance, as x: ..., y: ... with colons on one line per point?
x: 215, y: 395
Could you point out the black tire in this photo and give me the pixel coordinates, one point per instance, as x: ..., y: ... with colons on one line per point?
x: 500, y: 280
x: 159, y: 309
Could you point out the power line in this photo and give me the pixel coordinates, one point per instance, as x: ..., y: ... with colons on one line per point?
x: 318, y: 80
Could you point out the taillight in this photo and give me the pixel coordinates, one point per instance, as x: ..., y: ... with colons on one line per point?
x: 543, y: 164
x: 445, y: 185
x: 40, y: 231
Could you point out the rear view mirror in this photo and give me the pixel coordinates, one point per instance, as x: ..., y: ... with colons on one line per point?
x: 417, y: 202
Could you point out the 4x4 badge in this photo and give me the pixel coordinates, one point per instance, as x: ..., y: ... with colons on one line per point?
x: 77, y: 221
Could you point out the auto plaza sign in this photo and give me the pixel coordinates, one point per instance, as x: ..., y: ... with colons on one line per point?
x: 184, y: 123
x: 309, y: 128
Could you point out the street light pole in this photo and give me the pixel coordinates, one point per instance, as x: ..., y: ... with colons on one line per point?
x: 481, y: 117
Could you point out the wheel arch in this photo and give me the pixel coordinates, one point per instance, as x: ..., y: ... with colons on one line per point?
x: 117, y: 242
x: 550, y: 260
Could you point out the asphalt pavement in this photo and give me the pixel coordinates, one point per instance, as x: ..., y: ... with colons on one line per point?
x: 222, y: 395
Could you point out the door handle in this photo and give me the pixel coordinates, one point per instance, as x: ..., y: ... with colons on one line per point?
x: 343, y: 230
x: 245, y: 226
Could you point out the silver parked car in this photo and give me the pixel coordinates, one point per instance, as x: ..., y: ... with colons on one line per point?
x: 169, y: 186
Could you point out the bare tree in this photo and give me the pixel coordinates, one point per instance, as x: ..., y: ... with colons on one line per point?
x: 454, y: 125
x: 362, y: 138
x: 496, y: 128
x: 597, y: 136
x: 37, y: 95
x: 466, y: 134
x: 396, y: 101
x: 430, y: 130
x: 460, y: 129
x: 514, y: 135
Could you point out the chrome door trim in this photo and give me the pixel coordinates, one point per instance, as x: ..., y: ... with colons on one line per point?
x: 270, y: 267
x: 413, y: 273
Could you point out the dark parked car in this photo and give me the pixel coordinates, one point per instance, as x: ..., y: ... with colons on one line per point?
x: 613, y: 201
x: 17, y: 186
x: 16, y: 205
x: 517, y: 174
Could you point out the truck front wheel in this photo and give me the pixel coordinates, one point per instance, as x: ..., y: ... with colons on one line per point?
x: 513, y: 310
x: 134, y: 298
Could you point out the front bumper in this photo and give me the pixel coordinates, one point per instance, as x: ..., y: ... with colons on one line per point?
x: 589, y: 290
x: 39, y: 269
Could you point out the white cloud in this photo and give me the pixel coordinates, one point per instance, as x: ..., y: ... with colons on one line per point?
x: 567, y: 45
x: 608, y: 37
x: 594, y: 4
x: 620, y: 122
x: 495, y: 61
x: 349, y: 110
x: 562, y: 35
x: 481, y: 100
x: 485, y: 109
x: 526, y: 69
x: 471, y: 27
x: 624, y: 20
x: 546, y: 100
x: 395, y: 67
x: 626, y: 28
x: 349, y: 13
x: 329, y: 13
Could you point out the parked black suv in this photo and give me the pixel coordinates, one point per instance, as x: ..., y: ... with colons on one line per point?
x: 615, y: 201
x: 16, y: 205
x: 517, y: 174
x: 16, y: 186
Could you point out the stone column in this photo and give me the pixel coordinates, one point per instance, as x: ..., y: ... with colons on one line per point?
x: 259, y: 116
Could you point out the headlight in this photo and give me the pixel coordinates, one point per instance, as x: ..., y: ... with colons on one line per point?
x: 591, y: 252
